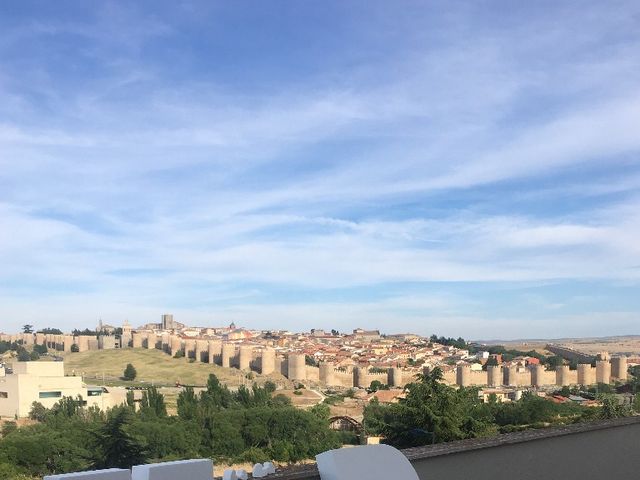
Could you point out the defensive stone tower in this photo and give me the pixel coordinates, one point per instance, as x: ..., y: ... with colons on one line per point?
x: 326, y: 373
x: 268, y: 361
x: 106, y: 342
x: 215, y: 349
x: 463, y: 375
x: 297, y: 368
x: 126, y: 332
x: 619, y: 368
x: 166, y: 342
x: 68, y: 341
x: 360, y: 377
x: 585, y: 376
x: 189, y: 348
x: 151, y: 341
x: 394, y: 377
x: 603, y: 371
x: 82, y: 341
x: 228, y: 352
x: 537, y: 375
x: 176, y: 344
x: 202, y: 347
x: 510, y: 376
x: 136, y: 338
x: 562, y: 375
x: 493, y: 375
x: 244, y: 357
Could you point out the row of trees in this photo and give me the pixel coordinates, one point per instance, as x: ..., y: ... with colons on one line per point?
x: 449, y: 341
x: 56, y: 331
x: 433, y: 412
x: 250, y: 424
x: 550, y: 361
x: 507, y: 354
x: 22, y: 353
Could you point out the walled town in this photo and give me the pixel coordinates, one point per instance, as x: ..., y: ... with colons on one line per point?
x: 336, y: 360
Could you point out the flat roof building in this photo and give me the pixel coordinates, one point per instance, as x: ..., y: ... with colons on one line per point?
x: 44, y: 382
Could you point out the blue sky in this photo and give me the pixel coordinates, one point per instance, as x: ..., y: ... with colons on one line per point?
x: 464, y: 168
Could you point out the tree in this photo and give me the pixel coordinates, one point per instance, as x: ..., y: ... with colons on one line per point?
x: 129, y: 372
x: 86, y: 331
x: 10, y: 472
x: 530, y: 409
x: 187, y: 404
x: 491, y: 362
x: 153, y: 403
x: 27, y: 328
x: 250, y: 425
x: 50, y: 331
x: 216, y: 396
x: 131, y: 402
x: 75, y: 348
x: 553, y: 362
x: 458, y: 343
x: 23, y: 355
x: 5, y: 346
x: 431, y: 412
x: 168, y: 439
x: 40, y: 450
x: 8, y: 427
x: 118, y: 446
x: 38, y: 412
x: 611, y: 407
x: 377, y: 385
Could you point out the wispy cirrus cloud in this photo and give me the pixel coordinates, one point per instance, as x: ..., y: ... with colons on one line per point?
x: 139, y: 170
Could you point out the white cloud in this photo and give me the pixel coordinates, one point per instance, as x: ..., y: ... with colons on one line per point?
x: 205, y: 184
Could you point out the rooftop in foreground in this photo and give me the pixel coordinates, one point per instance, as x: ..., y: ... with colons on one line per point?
x: 608, y: 448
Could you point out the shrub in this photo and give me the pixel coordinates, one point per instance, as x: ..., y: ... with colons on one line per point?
x: 24, y: 356
x: 252, y: 455
x: 129, y: 372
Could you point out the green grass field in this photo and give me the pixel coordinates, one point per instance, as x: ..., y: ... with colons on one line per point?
x: 152, y: 366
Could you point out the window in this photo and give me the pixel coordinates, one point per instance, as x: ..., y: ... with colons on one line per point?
x: 4, y: 395
x: 50, y: 394
x: 94, y: 393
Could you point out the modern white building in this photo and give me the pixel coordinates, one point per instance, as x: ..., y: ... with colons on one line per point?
x: 46, y: 383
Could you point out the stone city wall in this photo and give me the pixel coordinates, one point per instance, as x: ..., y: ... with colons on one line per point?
x: 293, y: 366
x: 536, y: 375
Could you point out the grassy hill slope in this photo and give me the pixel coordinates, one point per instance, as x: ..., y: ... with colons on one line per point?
x: 152, y: 366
